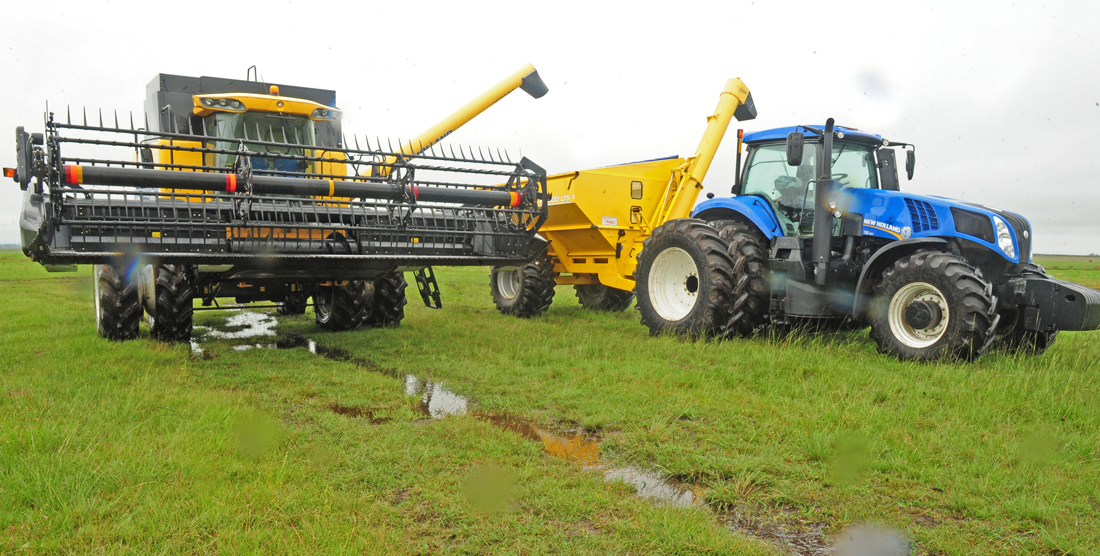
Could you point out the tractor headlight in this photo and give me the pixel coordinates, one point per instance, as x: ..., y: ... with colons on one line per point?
x: 1004, y: 237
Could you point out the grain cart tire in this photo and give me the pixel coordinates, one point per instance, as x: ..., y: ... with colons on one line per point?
x: 684, y: 280
x: 293, y: 304
x: 343, y: 305
x: 388, y: 308
x: 117, y: 304
x: 171, y: 319
x: 932, y: 306
x: 1011, y: 336
x: 749, y: 310
x: 526, y: 291
x: 598, y: 297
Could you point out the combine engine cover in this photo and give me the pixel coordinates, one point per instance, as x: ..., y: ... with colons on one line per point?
x: 270, y: 197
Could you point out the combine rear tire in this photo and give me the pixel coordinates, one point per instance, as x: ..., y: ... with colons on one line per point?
x: 343, y: 307
x: 293, y: 304
x: 931, y: 306
x: 750, y: 284
x: 117, y: 304
x: 526, y: 291
x: 684, y: 280
x: 1011, y: 336
x: 388, y: 308
x: 171, y: 319
x: 598, y: 297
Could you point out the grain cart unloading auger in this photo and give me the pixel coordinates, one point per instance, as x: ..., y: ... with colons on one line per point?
x: 243, y: 190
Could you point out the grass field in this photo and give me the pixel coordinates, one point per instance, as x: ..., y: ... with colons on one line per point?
x: 142, y: 447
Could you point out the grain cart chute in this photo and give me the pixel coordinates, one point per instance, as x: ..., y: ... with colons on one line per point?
x: 232, y: 189
x: 818, y: 232
x: 599, y: 219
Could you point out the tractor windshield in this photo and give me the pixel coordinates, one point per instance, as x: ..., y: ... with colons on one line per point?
x: 287, y: 131
x: 790, y: 189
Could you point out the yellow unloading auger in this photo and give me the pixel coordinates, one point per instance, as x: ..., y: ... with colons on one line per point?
x: 599, y: 218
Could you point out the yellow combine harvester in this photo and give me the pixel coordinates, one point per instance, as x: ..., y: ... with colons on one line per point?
x: 599, y: 218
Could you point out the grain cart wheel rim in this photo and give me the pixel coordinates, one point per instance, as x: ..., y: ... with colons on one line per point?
x: 509, y: 283
x: 905, y: 332
x: 97, y: 293
x: 674, y: 284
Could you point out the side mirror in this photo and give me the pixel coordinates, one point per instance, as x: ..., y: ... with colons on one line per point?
x: 910, y: 162
x: 794, y: 148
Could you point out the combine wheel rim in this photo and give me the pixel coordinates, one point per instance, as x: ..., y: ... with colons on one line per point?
x: 903, y: 331
x: 509, y: 283
x: 673, y: 284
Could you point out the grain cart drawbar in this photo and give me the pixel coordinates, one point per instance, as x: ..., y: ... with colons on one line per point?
x: 246, y: 190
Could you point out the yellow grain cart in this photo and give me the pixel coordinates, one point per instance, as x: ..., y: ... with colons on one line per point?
x: 599, y: 218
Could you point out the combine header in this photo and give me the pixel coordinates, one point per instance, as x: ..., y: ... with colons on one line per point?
x: 232, y: 189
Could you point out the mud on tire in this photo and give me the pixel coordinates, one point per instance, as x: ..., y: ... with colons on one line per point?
x: 117, y: 304
x: 750, y: 298
x: 932, y: 282
x: 598, y: 297
x: 683, y: 280
x: 526, y: 291
x: 343, y: 305
x: 171, y: 320
x: 388, y: 307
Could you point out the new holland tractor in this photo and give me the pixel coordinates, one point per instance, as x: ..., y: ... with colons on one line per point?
x: 246, y: 190
x: 818, y: 232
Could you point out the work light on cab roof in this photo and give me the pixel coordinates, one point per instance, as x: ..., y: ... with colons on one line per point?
x: 245, y: 102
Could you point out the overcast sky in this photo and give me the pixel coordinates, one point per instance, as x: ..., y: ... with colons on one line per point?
x: 1002, y: 100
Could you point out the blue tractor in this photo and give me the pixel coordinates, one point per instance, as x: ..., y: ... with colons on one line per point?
x: 831, y: 242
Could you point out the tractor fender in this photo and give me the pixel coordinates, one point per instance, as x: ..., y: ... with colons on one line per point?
x: 748, y: 207
x: 886, y: 257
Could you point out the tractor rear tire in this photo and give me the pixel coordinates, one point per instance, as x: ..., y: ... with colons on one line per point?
x: 1011, y: 336
x: 751, y: 293
x: 684, y: 280
x: 388, y: 308
x: 293, y: 304
x: 343, y: 307
x: 526, y: 291
x: 947, y: 288
x: 117, y: 304
x: 598, y: 297
x: 171, y: 320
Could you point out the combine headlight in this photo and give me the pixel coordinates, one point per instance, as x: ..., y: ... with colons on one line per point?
x: 325, y: 114
x: 1004, y: 237
x: 227, y: 104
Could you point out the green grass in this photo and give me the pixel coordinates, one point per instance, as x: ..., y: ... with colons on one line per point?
x: 140, y: 447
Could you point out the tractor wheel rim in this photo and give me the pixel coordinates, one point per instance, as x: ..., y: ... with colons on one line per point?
x: 906, y: 334
x: 509, y: 283
x: 673, y: 284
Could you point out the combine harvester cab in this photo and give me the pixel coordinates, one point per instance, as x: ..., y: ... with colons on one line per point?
x: 248, y: 191
x: 599, y: 219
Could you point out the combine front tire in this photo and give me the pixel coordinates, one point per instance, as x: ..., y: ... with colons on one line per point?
x: 293, y: 304
x: 598, y: 297
x: 931, y: 306
x: 388, y: 308
x: 343, y: 307
x: 684, y: 280
x: 526, y: 291
x: 117, y: 304
x: 749, y: 310
x: 171, y: 319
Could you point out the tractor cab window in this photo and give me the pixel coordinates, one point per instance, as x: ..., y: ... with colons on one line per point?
x: 790, y: 189
x: 288, y: 131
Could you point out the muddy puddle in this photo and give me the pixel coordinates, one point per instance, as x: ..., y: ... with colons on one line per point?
x: 257, y: 330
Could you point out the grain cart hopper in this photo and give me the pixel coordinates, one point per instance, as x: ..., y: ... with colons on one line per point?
x: 829, y: 240
x: 248, y: 191
x: 599, y: 219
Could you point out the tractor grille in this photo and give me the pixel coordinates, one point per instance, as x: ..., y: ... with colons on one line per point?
x: 1023, y: 233
x: 923, y: 215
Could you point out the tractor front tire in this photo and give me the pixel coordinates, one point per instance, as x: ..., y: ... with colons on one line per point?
x: 750, y: 289
x: 171, y: 320
x: 345, y: 306
x: 598, y: 297
x: 931, y: 306
x: 117, y: 304
x: 526, y: 291
x: 684, y: 280
x: 388, y: 308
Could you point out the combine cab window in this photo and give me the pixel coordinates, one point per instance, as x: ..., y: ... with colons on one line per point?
x: 287, y: 131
